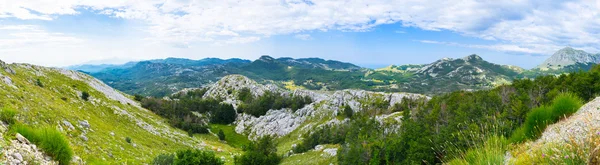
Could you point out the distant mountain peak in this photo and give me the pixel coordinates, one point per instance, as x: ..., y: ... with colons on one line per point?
x: 473, y: 57
x: 569, y: 56
x: 266, y: 58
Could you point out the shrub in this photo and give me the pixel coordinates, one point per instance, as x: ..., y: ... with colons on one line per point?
x: 348, y: 112
x: 50, y: 140
x: 163, y: 159
x: 539, y: 118
x: 223, y: 114
x: 492, y: 151
x: 261, y: 152
x: 564, y: 105
x: 195, y: 157
x: 8, y: 115
x: 39, y: 83
x: 128, y: 139
x: 85, y: 95
x: 325, y: 135
x: 221, y: 135
x: 138, y: 97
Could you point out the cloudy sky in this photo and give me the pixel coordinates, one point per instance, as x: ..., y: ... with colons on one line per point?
x: 370, y: 33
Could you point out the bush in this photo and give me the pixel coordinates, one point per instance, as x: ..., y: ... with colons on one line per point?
x: 128, y: 139
x: 138, y: 97
x: 163, y: 159
x: 261, y: 152
x: 50, y: 140
x: 8, y: 115
x: 492, y: 151
x: 538, y: 119
x: 39, y: 83
x: 223, y: 114
x: 348, y: 112
x: 325, y: 135
x: 85, y: 95
x: 221, y: 135
x: 195, y: 157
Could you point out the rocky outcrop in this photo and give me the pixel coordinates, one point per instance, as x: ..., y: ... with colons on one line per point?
x: 22, y: 152
x: 99, y: 86
x: 281, y: 122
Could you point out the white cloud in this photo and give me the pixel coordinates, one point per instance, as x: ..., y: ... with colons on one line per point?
x: 527, y: 26
x: 303, y: 36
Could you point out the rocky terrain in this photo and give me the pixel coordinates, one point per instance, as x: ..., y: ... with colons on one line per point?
x: 568, y: 56
x: 280, y: 122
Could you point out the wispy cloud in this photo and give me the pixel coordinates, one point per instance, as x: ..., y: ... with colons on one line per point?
x: 303, y: 36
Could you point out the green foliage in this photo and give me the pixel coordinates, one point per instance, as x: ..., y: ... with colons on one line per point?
x: 8, y: 115
x: 138, y: 97
x: 233, y: 138
x: 181, y: 107
x: 348, y: 112
x: 163, y: 159
x: 39, y: 83
x: 335, y: 134
x: 128, y: 140
x: 270, y: 100
x: 85, y: 95
x: 539, y: 118
x: 196, y: 157
x: 221, y: 135
x: 261, y: 152
x: 492, y: 151
x: 48, y: 139
x: 223, y: 114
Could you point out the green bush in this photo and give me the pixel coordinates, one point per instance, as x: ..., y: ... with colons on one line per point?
x: 539, y: 118
x: 138, y: 97
x: 491, y: 152
x: 163, y: 159
x: 223, y: 114
x: 348, y: 112
x: 564, y: 105
x: 221, y: 135
x: 8, y: 115
x: 196, y: 157
x: 39, y: 83
x: 261, y: 152
x: 50, y: 140
x: 128, y: 139
x: 85, y: 95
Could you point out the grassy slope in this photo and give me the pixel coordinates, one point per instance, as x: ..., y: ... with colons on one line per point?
x: 39, y: 106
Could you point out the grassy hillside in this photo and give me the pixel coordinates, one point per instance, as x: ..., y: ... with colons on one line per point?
x: 52, y: 97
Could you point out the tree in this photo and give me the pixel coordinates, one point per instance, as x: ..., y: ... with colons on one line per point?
x: 85, y: 95
x: 221, y: 135
x: 261, y: 152
x: 138, y: 97
x: 196, y: 157
x: 348, y: 112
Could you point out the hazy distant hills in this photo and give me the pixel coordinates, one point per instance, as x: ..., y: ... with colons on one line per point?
x: 165, y: 76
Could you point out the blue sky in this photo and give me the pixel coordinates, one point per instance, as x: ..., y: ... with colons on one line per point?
x: 371, y: 33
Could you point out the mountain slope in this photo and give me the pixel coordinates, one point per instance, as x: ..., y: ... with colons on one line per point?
x: 96, y: 129
x: 568, y: 56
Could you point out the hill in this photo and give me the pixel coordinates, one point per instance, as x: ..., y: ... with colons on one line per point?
x: 567, y: 57
x: 96, y: 128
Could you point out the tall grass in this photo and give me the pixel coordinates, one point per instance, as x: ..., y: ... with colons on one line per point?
x: 48, y: 139
x: 491, y: 152
x: 8, y: 115
x: 563, y: 105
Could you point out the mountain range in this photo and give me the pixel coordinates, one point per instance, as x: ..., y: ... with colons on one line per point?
x: 165, y: 76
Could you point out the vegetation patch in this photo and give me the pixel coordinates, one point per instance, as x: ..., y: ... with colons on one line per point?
x: 48, y: 139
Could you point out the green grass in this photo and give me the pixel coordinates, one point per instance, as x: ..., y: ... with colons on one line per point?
x: 231, y: 137
x: 48, y: 139
x: 44, y: 107
x: 492, y: 151
x: 312, y: 157
x: 8, y: 115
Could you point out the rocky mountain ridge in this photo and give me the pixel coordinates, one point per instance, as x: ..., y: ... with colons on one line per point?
x: 569, y: 56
